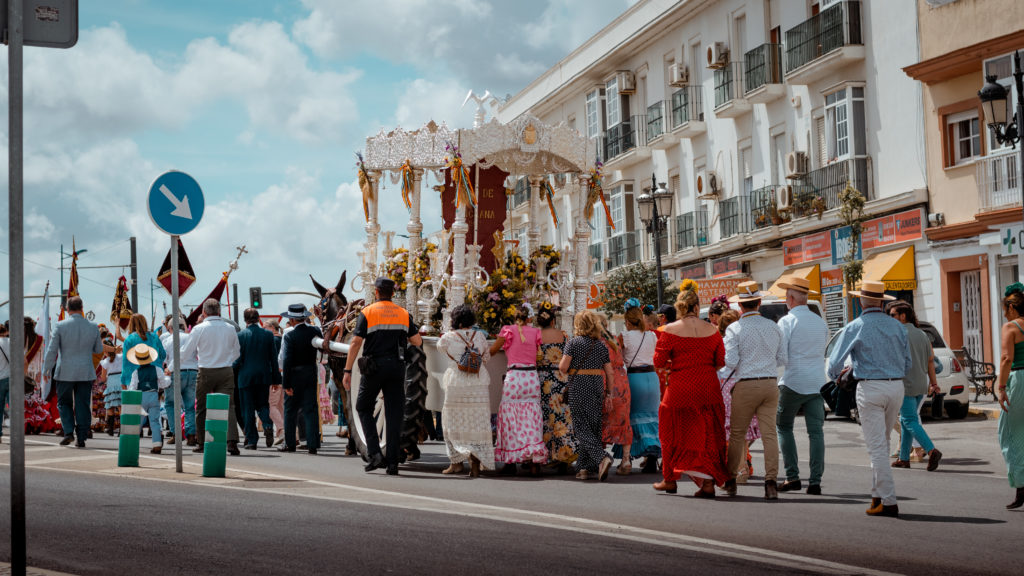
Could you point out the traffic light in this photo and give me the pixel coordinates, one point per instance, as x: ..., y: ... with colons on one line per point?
x: 255, y: 297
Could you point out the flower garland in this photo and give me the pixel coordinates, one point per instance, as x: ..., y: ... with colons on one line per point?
x: 464, y: 192
x: 395, y: 266
x: 407, y: 184
x: 421, y: 266
x: 496, y: 303
x: 364, y: 185
x: 594, y: 193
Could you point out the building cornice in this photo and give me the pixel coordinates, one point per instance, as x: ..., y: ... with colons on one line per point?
x: 981, y: 224
x: 963, y: 61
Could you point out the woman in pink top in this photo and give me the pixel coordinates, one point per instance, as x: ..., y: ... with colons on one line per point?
x: 520, y: 420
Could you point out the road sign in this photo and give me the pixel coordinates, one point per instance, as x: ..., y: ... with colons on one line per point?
x: 176, y: 203
x: 46, y: 23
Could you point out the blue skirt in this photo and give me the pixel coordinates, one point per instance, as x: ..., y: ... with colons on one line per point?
x: 645, y: 397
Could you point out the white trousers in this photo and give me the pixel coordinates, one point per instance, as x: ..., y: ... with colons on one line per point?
x: 878, y: 406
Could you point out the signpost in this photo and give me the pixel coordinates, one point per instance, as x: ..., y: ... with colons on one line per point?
x: 176, y: 206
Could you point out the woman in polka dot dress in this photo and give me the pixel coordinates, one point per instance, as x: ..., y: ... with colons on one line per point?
x: 586, y: 361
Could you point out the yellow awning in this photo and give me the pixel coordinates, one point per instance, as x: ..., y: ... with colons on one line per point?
x: 896, y: 268
x: 811, y: 273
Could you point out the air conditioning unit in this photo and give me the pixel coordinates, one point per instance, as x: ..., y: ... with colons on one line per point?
x: 707, y: 185
x: 718, y: 55
x: 784, y: 198
x: 797, y: 164
x: 679, y: 75
x: 626, y: 82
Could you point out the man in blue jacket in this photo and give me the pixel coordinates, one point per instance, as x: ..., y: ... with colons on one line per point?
x: 69, y: 362
x: 256, y: 369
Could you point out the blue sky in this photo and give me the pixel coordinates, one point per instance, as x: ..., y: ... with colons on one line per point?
x: 264, y: 103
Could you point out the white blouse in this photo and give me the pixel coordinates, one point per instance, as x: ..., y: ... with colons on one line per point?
x: 638, y: 348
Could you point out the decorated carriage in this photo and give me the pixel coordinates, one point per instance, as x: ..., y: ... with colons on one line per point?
x: 470, y: 260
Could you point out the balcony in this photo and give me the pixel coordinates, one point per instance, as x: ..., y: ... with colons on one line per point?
x: 597, y: 257
x: 657, y: 136
x: 763, y: 69
x: 998, y: 179
x: 626, y: 143
x: 819, y: 190
x: 688, y: 112
x: 829, y: 39
x: 735, y: 217
x: 691, y: 230
x: 623, y: 249
x: 521, y: 195
x: 729, y: 90
x: 764, y: 208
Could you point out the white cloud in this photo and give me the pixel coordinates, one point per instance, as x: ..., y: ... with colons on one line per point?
x: 38, y: 226
x: 424, y: 100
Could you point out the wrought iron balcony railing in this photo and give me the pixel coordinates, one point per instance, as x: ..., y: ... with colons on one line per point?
x: 763, y: 65
x: 735, y: 217
x: 728, y: 83
x: 625, y: 136
x: 623, y: 249
x: 686, y: 106
x: 832, y: 28
x: 655, y: 120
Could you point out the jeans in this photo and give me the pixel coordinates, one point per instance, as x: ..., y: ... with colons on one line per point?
x: 151, y: 406
x: 910, y: 426
x: 74, y: 403
x: 878, y: 403
x: 814, y: 416
x: 188, y: 401
x: 749, y: 398
x: 389, y: 380
x: 5, y: 387
x: 255, y: 402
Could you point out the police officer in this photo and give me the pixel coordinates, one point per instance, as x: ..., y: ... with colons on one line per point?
x: 382, y: 333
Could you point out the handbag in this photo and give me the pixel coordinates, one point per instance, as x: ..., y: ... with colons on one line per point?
x: 30, y: 382
x: 846, y: 381
x: 470, y: 360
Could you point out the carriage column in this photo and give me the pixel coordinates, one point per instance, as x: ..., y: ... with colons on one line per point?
x: 415, y: 229
x: 458, y: 279
x: 533, y: 235
x: 582, y: 239
x: 372, y: 230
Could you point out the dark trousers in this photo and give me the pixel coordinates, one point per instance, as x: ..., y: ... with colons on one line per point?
x: 303, y: 399
x: 255, y: 401
x: 389, y: 379
x: 215, y: 381
x: 74, y: 402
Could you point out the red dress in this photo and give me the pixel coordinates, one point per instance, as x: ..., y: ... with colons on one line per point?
x: 691, y: 418
x: 615, y: 427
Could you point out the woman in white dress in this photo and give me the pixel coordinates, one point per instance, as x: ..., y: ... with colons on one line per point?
x: 466, y: 414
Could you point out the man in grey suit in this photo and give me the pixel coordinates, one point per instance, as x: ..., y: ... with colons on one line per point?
x: 256, y: 369
x: 74, y: 341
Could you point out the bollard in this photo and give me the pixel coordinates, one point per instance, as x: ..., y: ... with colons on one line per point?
x: 131, y: 425
x: 215, y: 448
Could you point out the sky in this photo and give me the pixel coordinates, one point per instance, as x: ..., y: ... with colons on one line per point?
x: 264, y: 104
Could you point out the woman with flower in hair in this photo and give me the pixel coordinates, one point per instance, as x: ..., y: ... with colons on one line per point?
x: 558, y: 434
x: 1011, y: 390
x: 637, y: 347
x: 615, y: 428
x: 520, y: 420
x: 691, y: 418
x: 719, y: 305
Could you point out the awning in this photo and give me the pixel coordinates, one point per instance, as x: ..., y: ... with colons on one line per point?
x: 811, y: 273
x: 894, y: 267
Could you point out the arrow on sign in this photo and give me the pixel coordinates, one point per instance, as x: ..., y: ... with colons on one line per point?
x: 181, y: 209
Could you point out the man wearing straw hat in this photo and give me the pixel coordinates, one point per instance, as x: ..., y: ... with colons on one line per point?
x: 804, y: 336
x: 880, y: 355
x: 753, y: 351
x: 148, y: 380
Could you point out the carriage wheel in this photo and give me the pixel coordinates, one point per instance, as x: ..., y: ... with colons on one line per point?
x: 415, y: 401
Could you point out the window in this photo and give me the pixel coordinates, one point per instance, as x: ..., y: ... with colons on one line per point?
x: 844, y: 123
x: 778, y: 158
x: 963, y: 137
x: 746, y: 171
x: 612, y: 104
x: 594, y: 113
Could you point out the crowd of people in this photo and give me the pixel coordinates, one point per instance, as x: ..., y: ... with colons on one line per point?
x: 684, y: 394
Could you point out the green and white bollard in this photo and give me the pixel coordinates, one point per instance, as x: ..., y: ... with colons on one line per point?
x: 215, y: 448
x: 131, y: 425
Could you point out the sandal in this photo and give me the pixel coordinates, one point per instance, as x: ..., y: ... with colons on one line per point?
x: 474, y: 467
x: 455, y: 468
x: 624, y: 468
x: 583, y: 475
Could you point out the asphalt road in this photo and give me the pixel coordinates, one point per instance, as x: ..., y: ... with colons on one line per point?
x: 297, y: 513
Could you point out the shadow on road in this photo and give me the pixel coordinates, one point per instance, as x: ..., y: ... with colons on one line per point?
x: 949, y: 519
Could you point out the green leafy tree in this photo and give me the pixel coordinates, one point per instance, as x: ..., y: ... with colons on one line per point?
x: 634, y: 281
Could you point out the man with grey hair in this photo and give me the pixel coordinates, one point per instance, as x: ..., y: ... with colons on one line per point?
x: 215, y: 342
x: 69, y: 360
x: 879, y: 351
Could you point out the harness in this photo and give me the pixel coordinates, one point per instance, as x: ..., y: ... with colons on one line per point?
x: 336, y: 329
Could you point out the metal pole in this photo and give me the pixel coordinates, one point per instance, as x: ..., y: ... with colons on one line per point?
x: 61, y: 295
x: 16, y: 272
x: 1018, y: 76
x: 135, y: 278
x: 234, y: 298
x: 176, y: 352
x: 152, y: 304
x: 656, y: 225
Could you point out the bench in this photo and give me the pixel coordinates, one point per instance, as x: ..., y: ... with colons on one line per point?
x: 981, y: 374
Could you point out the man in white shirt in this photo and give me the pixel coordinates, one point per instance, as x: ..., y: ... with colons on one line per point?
x: 189, y: 373
x: 804, y: 336
x: 215, y: 343
x: 753, y: 351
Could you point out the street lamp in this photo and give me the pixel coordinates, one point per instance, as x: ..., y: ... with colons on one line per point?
x: 64, y: 255
x: 655, y: 209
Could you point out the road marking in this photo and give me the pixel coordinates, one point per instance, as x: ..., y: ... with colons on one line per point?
x: 430, y: 504
x: 65, y: 459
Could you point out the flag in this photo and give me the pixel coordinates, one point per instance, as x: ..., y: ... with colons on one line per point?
x: 72, y: 279
x: 121, y: 309
x: 43, y: 330
x: 216, y: 294
x: 186, y: 275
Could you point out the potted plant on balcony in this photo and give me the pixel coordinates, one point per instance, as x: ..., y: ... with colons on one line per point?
x: 818, y: 205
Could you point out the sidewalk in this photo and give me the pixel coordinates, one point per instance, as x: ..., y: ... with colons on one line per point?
x: 987, y: 408
x: 5, y: 570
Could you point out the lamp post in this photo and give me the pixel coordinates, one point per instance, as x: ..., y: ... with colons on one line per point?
x: 64, y: 255
x: 655, y: 209
x: 993, y: 100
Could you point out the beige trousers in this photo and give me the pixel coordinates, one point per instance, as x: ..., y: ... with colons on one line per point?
x: 750, y: 398
x: 277, y: 409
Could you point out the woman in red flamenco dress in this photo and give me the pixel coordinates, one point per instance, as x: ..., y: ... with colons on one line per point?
x: 691, y: 415
x: 41, y: 414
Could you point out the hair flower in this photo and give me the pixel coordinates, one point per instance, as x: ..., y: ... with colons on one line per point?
x: 688, y: 284
x: 1015, y: 287
x: 631, y: 303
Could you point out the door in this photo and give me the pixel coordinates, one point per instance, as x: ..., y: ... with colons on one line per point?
x: 970, y: 298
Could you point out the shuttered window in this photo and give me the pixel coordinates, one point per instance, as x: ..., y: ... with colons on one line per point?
x: 822, y: 146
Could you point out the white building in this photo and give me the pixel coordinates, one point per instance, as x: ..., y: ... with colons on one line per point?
x: 742, y: 107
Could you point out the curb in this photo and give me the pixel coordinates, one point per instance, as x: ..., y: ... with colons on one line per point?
x: 5, y: 569
x: 986, y: 411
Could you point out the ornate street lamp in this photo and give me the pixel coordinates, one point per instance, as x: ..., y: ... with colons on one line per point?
x: 993, y: 100
x: 655, y: 209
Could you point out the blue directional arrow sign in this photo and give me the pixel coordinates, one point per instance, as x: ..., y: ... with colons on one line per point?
x: 176, y: 203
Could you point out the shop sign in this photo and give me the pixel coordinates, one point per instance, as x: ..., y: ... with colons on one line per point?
x: 892, y: 229
x: 693, y: 271
x: 1011, y: 240
x: 841, y: 239
x: 708, y: 289
x: 807, y: 248
x: 831, y: 281
x: 724, y: 267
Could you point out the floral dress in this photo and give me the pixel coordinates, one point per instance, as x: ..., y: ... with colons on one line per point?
x: 558, y: 433
x: 615, y: 426
x: 520, y: 419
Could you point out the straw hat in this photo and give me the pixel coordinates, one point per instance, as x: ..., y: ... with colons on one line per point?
x: 872, y: 289
x: 746, y: 292
x: 799, y: 284
x: 141, y: 354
